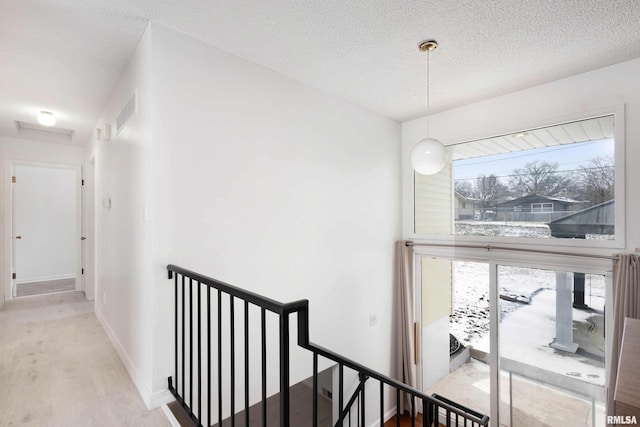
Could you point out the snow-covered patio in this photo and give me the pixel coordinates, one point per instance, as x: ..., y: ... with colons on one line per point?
x: 540, y: 385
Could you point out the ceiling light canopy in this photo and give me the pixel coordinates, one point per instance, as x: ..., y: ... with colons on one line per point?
x: 428, y: 156
x: 46, y: 118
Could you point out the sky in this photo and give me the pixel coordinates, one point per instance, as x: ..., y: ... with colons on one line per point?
x: 568, y: 157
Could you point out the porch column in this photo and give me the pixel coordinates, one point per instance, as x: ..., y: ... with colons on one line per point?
x: 564, y: 314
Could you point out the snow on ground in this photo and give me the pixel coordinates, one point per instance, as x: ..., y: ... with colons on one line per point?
x: 471, y: 294
x: 503, y: 229
x: 538, y: 230
x: 525, y: 336
x: 526, y: 329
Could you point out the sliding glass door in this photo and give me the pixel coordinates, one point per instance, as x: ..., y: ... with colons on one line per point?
x: 552, y: 347
x: 527, y: 341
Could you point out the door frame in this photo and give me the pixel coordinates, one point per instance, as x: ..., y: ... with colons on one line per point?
x: 10, y: 169
x: 88, y: 227
x: 493, y: 259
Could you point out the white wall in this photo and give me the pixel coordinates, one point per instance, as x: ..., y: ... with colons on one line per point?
x: 272, y: 186
x: 42, y: 152
x: 46, y: 219
x: 242, y: 174
x: 124, y: 292
x: 542, y: 105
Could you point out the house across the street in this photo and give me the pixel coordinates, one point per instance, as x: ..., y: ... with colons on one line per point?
x: 536, y: 208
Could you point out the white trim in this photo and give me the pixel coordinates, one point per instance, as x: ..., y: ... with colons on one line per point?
x: 143, y: 387
x: 8, y: 231
x: 494, y: 344
x: 160, y: 398
x: 568, y: 263
x: 89, y: 227
x: 170, y: 417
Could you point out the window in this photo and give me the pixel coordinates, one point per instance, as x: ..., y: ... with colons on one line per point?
x: 555, y: 182
x: 541, y: 207
x: 533, y: 324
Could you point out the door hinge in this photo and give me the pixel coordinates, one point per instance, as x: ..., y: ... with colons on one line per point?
x: 83, y: 182
x: 13, y: 276
x: 83, y: 271
x: 83, y: 238
x: 13, y: 179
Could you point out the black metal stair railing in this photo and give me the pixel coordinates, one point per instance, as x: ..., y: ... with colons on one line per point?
x: 203, y: 305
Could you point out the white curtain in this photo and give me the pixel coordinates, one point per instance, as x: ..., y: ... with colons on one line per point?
x: 626, y: 303
x: 406, y: 368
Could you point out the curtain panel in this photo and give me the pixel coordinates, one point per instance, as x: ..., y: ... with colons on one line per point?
x: 405, y: 367
x: 626, y: 303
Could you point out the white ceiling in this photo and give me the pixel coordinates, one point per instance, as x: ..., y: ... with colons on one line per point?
x: 66, y: 55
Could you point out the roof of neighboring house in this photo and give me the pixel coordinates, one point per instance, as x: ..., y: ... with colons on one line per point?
x: 470, y: 199
x: 598, y: 219
x: 532, y: 197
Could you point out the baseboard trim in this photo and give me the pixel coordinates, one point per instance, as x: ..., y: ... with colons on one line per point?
x: 172, y: 419
x: 134, y: 373
x: 160, y: 398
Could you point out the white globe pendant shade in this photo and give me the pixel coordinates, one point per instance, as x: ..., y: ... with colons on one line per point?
x: 428, y: 156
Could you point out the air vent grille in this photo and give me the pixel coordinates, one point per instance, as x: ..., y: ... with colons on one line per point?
x: 125, y: 114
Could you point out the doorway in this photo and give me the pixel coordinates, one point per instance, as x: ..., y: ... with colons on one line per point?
x: 509, y: 338
x: 46, y: 229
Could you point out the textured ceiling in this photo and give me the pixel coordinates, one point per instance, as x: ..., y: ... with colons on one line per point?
x: 66, y: 55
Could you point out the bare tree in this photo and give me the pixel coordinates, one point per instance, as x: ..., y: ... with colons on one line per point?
x: 597, y: 180
x: 463, y: 187
x: 539, y: 178
x: 487, y: 190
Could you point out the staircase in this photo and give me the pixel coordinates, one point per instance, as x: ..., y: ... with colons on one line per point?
x: 232, y: 345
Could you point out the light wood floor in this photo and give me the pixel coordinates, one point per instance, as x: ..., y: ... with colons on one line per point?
x: 47, y: 287
x: 58, y: 368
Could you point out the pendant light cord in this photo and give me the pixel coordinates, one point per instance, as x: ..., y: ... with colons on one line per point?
x: 427, y: 95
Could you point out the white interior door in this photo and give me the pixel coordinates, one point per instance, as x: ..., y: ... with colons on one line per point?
x: 45, y: 224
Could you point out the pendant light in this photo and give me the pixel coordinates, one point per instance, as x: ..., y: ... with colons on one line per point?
x: 429, y: 155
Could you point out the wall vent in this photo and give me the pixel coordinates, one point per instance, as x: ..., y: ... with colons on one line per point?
x: 125, y: 114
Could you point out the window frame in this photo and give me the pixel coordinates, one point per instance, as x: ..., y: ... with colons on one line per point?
x: 542, y: 207
x: 597, y: 246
